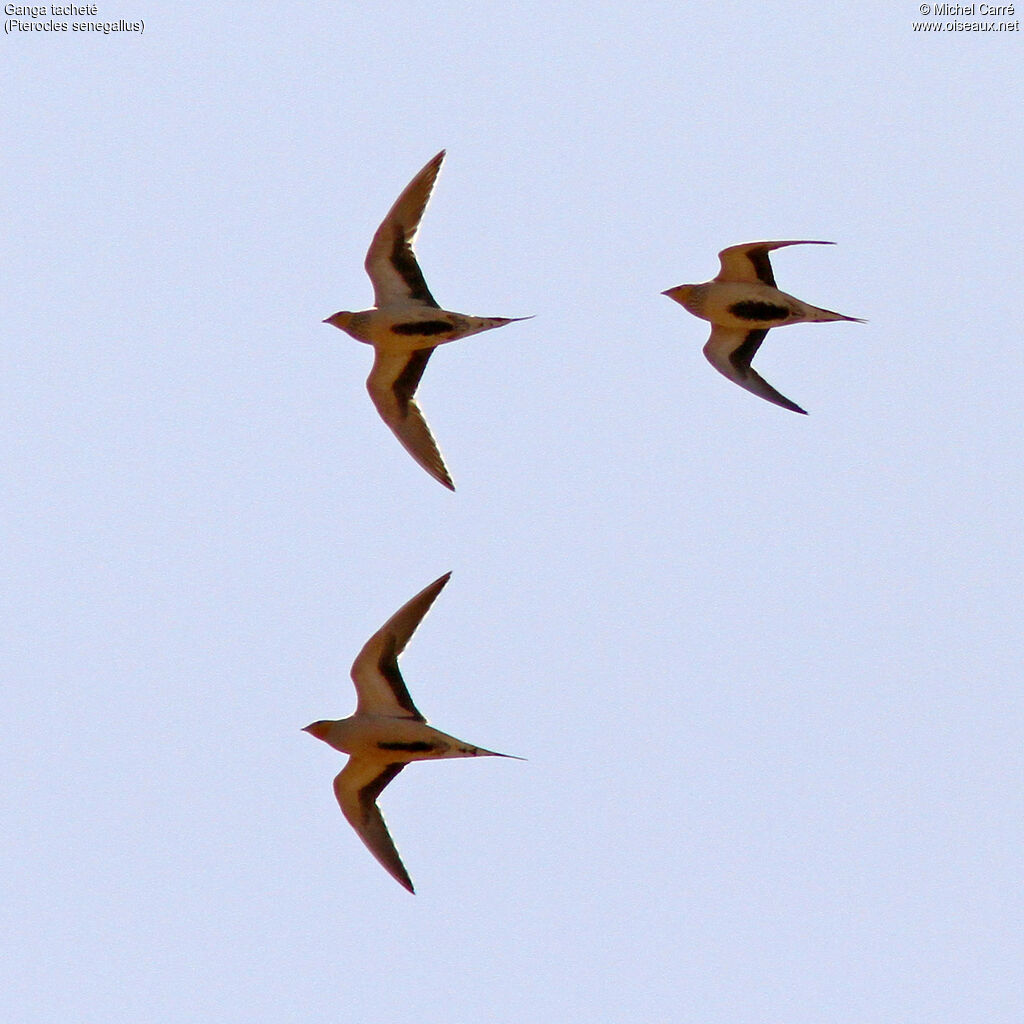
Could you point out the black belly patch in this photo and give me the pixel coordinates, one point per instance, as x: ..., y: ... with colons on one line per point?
x: 416, y: 747
x: 423, y: 327
x: 759, y: 311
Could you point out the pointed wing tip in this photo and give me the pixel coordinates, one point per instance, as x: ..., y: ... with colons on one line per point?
x: 764, y: 390
x: 776, y: 399
x: 772, y: 244
x: 769, y: 394
x: 396, y: 870
x: 432, y: 591
x: 439, y: 473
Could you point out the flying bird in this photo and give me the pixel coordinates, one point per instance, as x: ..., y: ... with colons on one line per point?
x: 406, y: 324
x: 386, y: 732
x: 742, y: 304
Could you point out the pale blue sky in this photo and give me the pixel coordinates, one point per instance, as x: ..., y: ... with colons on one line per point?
x: 766, y: 669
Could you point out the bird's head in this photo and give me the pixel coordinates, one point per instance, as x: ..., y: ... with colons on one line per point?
x: 692, y: 297
x: 680, y: 293
x: 341, y: 320
x: 321, y: 730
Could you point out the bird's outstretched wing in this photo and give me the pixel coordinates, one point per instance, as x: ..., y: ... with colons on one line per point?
x: 748, y: 262
x: 392, y: 384
x: 357, y: 787
x: 380, y: 688
x: 390, y: 261
x: 730, y: 353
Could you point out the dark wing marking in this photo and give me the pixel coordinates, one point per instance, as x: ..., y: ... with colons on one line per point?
x: 404, y: 262
x: 408, y: 380
x: 387, y: 665
x: 762, y: 266
x: 742, y: 356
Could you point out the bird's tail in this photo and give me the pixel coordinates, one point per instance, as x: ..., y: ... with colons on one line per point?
x: 476, y: 324
x: 465, y: 750
x: 822, y: 316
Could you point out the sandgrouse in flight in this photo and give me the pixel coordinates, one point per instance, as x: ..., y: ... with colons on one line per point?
x: 743, y: 304
x: 386, y: 732
x: 406, y: 324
